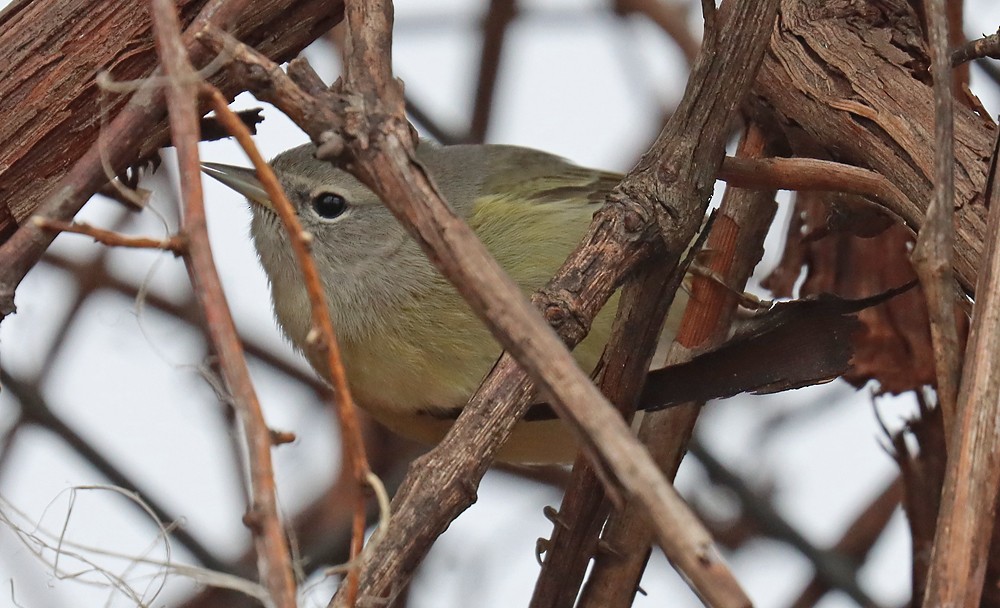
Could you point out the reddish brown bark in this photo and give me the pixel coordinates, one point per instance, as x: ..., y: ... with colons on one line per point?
x: 51, y: 52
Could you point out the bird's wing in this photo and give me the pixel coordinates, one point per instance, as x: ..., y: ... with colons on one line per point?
x: 533, y: 176
x: 571, y: 184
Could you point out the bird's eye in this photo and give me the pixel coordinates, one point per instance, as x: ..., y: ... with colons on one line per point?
x: 329, y: 205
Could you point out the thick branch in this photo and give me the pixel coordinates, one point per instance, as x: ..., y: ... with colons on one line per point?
x: 934, y: 252
x: 645, y: 301
x: 972, y: 476
x: 838, y: 80
x: 63, y: 128
x: 736, y: 242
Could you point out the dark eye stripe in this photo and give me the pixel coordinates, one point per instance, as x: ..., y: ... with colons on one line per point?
x: 329, y: 205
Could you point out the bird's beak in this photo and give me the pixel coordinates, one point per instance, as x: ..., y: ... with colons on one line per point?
x: 240, y: 179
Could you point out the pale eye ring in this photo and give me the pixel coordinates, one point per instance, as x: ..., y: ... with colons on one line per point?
x: 329, y: 205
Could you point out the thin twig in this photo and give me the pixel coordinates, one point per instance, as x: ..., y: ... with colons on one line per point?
x: 810, y: 174
x: 275, y: 560
x: 173, y: 244
x: 36, y: 410
x: 498, y: 18
x: 857, y: 541
x: 987, y: 46
x: 972, y: 476
x: 832, y: 567
x: 321, y: 336
x: 671, y: 17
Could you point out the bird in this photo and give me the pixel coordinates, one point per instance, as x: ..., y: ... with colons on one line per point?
x: 412, y: 349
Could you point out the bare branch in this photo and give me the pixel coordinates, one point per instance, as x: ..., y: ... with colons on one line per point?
x: 735, y: 243
x: 934, y: 252
x: 498, y: 18
x: 857, y: 541
x: 353, y: 448
x: 809, y: 174
x: 36, y: 410
x: 646, y: 299
x: 274, y: 555
x: 173, y: 244
x: 127, y: 134
x: 972, y: 477
x: 987, y: 46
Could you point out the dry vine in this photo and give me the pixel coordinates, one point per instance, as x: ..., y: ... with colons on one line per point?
x: 849, y: 132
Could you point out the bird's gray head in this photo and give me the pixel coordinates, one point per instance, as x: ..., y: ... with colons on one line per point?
x: 353, y: 231
x: 365, y: 258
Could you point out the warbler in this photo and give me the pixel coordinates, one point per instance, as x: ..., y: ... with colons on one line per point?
x: 412, y: 349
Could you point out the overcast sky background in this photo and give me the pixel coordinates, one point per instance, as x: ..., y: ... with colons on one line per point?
x: 573, y: 81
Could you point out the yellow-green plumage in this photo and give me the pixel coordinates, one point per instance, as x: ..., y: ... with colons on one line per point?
x: 412, y: 348
x: 505, y: 223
